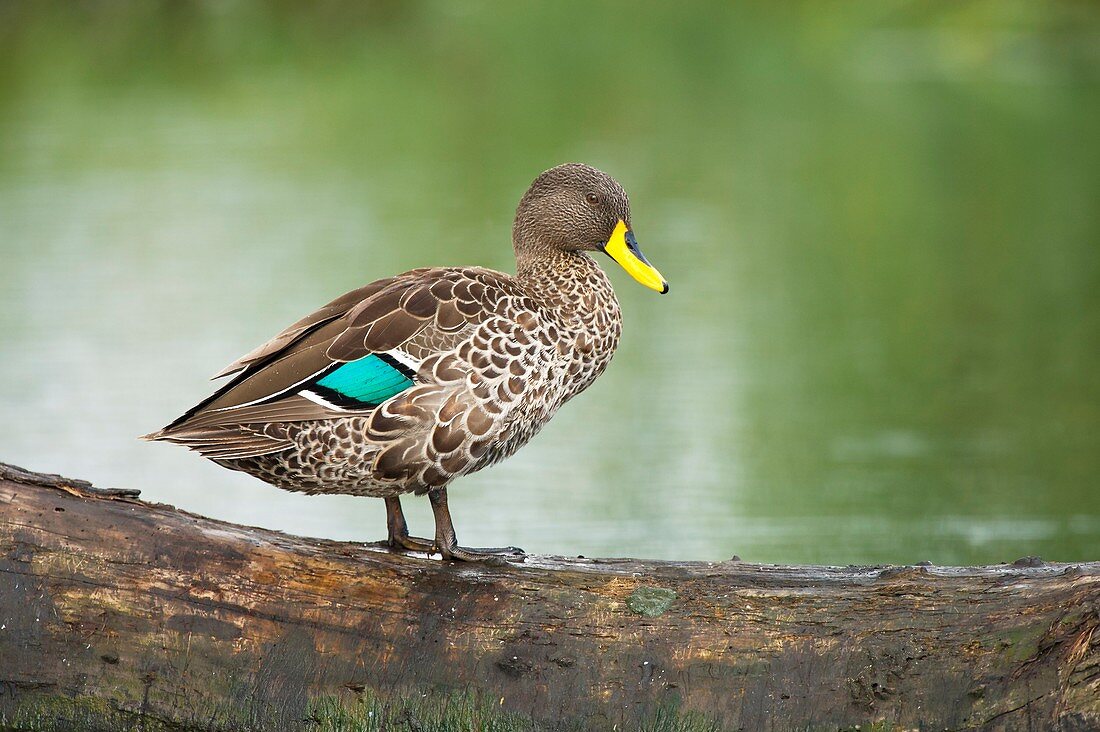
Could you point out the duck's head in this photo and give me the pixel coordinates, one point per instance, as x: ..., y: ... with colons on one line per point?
x: 576, y: 208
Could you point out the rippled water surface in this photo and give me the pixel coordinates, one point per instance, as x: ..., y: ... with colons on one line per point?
x: 881, y: 227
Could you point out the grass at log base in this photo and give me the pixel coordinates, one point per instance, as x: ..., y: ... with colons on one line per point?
x: 364, y: 711
x: 120, y: 614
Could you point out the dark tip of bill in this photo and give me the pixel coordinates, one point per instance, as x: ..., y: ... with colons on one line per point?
x: 665, y: 291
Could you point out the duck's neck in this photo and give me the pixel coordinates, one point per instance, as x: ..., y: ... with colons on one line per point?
x: 577, y: 295
x: 570, y: 283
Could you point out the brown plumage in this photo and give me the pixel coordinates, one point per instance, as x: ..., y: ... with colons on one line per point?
x: 412, y: 381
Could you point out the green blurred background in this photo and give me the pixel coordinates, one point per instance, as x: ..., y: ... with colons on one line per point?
x: 880, y: 220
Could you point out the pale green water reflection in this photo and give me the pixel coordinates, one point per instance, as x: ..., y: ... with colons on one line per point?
x: 881, y: 227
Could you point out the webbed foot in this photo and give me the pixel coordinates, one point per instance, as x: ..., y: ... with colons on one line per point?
x: 489, y: 555
x: 408, y: 543
x: 399, y: 539
x: 447, y: 543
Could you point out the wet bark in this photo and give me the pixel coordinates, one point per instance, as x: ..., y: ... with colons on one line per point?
x: 121, y: 614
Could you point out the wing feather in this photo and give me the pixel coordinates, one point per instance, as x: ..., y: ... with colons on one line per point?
x: 331, y: 311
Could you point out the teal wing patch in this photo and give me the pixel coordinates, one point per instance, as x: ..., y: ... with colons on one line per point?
x: 364, y: 383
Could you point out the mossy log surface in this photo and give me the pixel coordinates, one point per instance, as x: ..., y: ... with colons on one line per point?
x: 121, y: 614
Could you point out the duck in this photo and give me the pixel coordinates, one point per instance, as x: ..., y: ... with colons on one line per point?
x: 413, y: 381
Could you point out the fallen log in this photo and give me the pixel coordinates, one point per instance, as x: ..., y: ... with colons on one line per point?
x: 121, y: 614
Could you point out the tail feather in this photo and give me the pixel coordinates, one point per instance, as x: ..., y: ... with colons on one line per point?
x: 225, y: 442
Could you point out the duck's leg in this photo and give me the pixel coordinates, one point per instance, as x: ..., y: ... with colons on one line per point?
x: 399, y: 531
x: 446, y: 543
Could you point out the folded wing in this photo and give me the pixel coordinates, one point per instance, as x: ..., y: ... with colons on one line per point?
x: 346, y: 358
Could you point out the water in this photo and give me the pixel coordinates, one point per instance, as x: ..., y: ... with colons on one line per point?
x: 880, y: 225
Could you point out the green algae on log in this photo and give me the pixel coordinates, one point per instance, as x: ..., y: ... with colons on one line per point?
x: 120, y: 614
x: 650, y: 601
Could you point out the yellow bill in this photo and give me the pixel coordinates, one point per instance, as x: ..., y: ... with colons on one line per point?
x: 623, y: 248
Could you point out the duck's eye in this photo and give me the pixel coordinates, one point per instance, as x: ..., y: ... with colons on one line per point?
x: 593, y: 199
